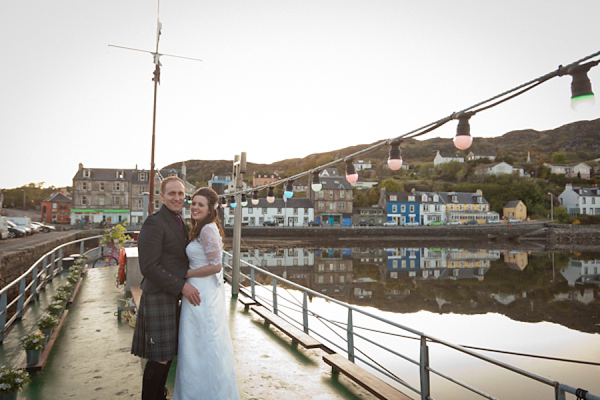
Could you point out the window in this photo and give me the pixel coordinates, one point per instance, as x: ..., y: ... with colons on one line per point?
x: 143, y: 176
x: 54, y: 206
x: 138, y: 204
x: 342, y: 279
x: 279, y: 210
x: 342, y: 266
x: 330, y: 194
x: 87, y: 173
x: 250, y: 210
x: 320, y: 279
x: 394, y: 208
x: 120, y: 174
x: 141, y: 190
x: 341, y: 206
x: 583, y: 200
x: 321, y: 206
x: 156, y: 204
x: 403, y: 208
x: 331, y: 267
x: 84, y: 200
x: 116, y: 201
x: 342, y: 194
x: 412, y: 208
x: 117, y: 186
x: 394, y: 263
x: 295, y: 211
x: 279, y: 263
x: 321, y: 195
x: 100, y: 200
x: 331, y: 206
x: 264, y: 210
x: 393, y: 198
x: 321, y: 267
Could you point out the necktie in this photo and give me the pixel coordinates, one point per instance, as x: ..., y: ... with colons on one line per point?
x: 179, y: 221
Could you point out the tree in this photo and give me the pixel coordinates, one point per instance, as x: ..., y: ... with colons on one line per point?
x: 373, y: 198
x: 426, y: 169
x: 392, y: 185
x: 559, y: 158
x: 561, y: 214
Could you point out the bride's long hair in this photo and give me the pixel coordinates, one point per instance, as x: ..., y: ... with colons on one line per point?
x: 213, y: 214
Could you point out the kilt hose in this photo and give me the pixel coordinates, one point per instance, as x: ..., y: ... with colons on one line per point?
x: 157, y: 326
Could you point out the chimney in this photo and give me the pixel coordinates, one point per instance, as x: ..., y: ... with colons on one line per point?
x: 568, y: 186
x: 80, y: 166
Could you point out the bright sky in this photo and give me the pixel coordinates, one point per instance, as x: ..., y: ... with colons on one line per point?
x: 279, y: 78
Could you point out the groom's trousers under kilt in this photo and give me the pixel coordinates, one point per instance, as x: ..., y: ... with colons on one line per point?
x: 156, y: 327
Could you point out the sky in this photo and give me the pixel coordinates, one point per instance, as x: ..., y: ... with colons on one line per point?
x: 278, y: 79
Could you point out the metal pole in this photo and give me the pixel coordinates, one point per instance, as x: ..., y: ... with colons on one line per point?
x: 239, y: 168
x: 350, y: 336
x: 305, y: 312
x: 155, y: 79
x: 23, y: 198
x: 144, y: 206
x: 275, y: 296
x: 424, y: 369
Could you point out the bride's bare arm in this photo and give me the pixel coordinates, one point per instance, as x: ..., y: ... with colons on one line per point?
x: 211, y: 242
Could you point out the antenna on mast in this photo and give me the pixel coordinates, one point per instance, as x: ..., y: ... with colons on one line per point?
x: 156, y: 78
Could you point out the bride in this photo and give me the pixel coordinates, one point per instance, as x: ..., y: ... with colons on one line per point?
x: 205, y: 363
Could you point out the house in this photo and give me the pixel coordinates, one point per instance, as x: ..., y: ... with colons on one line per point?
x: 333, y: 203
x: 578, y: 200
x: 446, y: 158
x: 516, y: 260
x: 403, y: 208
x: 362, y: 185
x: 582, y: 272
x: 360, y: 165
x: 333, y: 272
x: 284, y: 212
x: 432, y: 207
x: 264, y: 179
x: 490, y: 155
x: 109, y: 195
x: 368, y: 216
x: 465, y: 206
x: 570, y: 170
x: 329, y: 172
x: 498, y: 169
x: 56, y: 209
x: 515, y: 209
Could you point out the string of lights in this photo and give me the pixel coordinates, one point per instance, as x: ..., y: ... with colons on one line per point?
x: 581, y: 94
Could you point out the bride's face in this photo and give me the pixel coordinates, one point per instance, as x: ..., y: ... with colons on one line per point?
x: 199, y: 208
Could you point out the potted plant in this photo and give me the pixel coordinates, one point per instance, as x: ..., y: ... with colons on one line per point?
x: 11, y: 380
x: 46, y: 323
x: 114, y: 237
x: 73, y: 278
x: 56, y: 308
x: 33, y: 343
x: 61, y: 296
x: 67, y: 287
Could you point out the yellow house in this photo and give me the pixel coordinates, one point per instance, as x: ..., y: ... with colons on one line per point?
x: 515, y: 209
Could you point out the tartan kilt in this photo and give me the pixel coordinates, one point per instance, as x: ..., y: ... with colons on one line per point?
x: 156, y: 327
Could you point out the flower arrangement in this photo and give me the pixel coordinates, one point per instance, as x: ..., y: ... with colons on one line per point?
x: 61, y: 296
x: 73, y: 278
x: 48, y: 321
x: 67, y: 288
x: 12, y: 379
x: 33, y: 341
x: 55, y: 308
x: 115, y: 235
x: 75, y: 269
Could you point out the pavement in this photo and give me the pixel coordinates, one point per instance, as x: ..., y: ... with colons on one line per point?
x: 92, y: 360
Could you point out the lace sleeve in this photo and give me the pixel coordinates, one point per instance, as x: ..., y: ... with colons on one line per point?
x: 211, y: 242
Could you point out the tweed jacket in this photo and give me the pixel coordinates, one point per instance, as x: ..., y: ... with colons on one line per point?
x: 161, y: 250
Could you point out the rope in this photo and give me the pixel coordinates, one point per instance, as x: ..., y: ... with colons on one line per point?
x: 581, y: 394
x: 130, y: 315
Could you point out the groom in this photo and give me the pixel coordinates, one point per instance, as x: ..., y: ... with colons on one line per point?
x: 164, y: 264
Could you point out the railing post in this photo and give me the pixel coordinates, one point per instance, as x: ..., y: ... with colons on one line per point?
x: 350, y: 334
x: 424, y: 369
x: 559, y: 393
x: 305, y: 312
x: 275, y: 296
x: 34, y: 283
x: 21, y: 301
x: 51, y: 273
x: 81, y: 247
x: 252, y: 283
x: 60, y: 257
x: 3, y: 312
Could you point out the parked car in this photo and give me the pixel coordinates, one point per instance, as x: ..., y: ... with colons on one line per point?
x: 24, y: 223
x: 470, y: 222
x: 453, y: 223
x: 313, y: 223
x: 269, y: 223
x: 514, y: 220
x: 15, y: 231
x: 413, y: 223
x: 390, y: 223
x: 493, y: 221
x: 366, y: 223
x: 44, y: 228
x: 435, y: 223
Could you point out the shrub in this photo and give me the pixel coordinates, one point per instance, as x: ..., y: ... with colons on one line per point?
x: 12, y: 379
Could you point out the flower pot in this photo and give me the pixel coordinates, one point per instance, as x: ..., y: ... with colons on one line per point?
x: 9, y: 396
x: 47, y: 332
x: 33, y: 356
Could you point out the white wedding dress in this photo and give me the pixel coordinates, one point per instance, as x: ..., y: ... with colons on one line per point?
x: 205, y: 363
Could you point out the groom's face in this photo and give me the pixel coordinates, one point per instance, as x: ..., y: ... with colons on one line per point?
x: 173, y: 196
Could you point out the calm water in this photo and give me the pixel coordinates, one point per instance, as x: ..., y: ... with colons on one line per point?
x: 538, y: 303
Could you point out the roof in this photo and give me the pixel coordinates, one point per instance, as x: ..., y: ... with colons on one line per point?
x: 567, y: 165
x: 104, y: 174
x: 449, y: 155
x: 462, y: 197
x: 587, y: 191
x: 329, y: 172
x: 512, y: 203
x: 58, y: 197
x: 335, y: 183
x: 484, y: 153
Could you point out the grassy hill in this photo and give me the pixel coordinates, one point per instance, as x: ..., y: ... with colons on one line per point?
x: 579, y: 141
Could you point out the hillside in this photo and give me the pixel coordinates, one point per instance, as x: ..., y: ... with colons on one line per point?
x: 580, y: 141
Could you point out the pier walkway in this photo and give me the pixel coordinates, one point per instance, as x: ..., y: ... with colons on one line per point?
x: 91, y: 358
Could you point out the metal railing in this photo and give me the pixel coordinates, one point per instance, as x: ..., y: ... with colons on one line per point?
x: 270, y: 297
x: 31, y: 282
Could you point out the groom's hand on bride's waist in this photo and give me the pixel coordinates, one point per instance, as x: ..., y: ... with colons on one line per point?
x: 191, y: 293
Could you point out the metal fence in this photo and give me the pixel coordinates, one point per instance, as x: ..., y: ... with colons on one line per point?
x: 346, y: 334
x: 31, y: 282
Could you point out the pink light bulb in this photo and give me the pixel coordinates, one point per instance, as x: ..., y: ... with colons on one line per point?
x: 463, y: 142
x: 352, y: 178
x: 395, y: 163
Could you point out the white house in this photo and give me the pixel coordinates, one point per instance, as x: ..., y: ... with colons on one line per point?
x: 288, y: 212
x: 446, y: 158
x: 481, y: 154
x: 570, y: 170
x: 432, y: 207
x: 498, y: 169
x: 359, y: 165
x: 579, y: 200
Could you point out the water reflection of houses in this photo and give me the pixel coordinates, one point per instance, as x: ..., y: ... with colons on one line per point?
x: 581, y: 272
x: 333, y: 272
x: 433, y: 263
x: 586, y: 297
x: 294, y: 264
x: 516, y: 260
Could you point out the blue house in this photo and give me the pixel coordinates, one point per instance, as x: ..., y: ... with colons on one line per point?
x: 404, y: 259
x: 404, y: 208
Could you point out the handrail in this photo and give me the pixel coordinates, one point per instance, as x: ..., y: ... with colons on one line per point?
x: 559, y: 388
